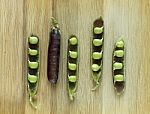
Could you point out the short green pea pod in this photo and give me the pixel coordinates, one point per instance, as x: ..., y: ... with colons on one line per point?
x: 118, y: 66
x: 97, y: 52
x: 33, y: 68
x: 72, y: 66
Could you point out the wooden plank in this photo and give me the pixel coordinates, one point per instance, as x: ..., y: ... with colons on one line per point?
x: 130, y: 19
x: 143, y: 55
x: 76, y: 17
x: 11, y: 46
x: 21, y: 18
x: 37, y: 21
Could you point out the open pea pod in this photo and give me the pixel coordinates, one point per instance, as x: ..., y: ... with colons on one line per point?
x: 72, y: 66
x: 33, y: 68
x: 97, y: 51
x: 118, y: 66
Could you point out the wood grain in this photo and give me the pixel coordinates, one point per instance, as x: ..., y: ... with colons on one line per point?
x: 21, y: 18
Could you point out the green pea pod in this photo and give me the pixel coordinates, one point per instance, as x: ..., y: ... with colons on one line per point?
x: 97, y: 51
x: 118, y: 66
x: 72, y: 66
x: 33, y: 68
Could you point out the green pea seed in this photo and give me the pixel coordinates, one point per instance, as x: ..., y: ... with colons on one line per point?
x: 98, y: 30
x: 117, y: 65
x: 120, y: 44
x: 73, y: 54
x: 33, y: 52
x: 33, y: 65
x: 72, y: 78
x: 119, y: 53
x: 97, y: 55
x: 32, y: 78
x: 73, y: 41
x: 33, y: 40
x: 95, y: 67
x: 97, y: 42
x: 72, y: 66
x: 118, y: 78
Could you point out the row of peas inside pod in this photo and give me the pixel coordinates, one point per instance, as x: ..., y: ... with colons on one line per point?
x: 33, y: 68
x: 119, y: 66
x: 97, y: 51
x: 72, y: 71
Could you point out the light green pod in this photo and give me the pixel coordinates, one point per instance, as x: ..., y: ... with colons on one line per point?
x: 72, y: 78
x: 98, y: 30
x: 33, y: 65
x: 120, y: 44
x: 118, y: 78
x: 117, y: 65
x: 32, y: 52
x: 73, y: 54
x: 73, y: 41
x: 72, y: 66
x: 119, y: 53
x: 97, y: 42
x: 33, y: 40
x: 97, y: 55
x: 95, y: 67
x: 32, y: 78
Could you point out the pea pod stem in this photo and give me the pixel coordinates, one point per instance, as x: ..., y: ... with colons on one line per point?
x: 54, y: 22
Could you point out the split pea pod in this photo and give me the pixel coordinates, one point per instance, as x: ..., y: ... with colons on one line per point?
x: 53, y: 53
x: 97, y: 51
x: 33, y: 67
x: 72, y: 65
x: 118, y: 66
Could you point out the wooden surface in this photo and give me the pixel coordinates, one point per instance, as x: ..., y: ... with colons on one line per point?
x: 20, y: 18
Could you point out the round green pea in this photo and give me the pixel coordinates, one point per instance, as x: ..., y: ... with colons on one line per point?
x: 97, y: 55
x: 97, y: 42
x: 33, y: 52
x: 72, y: 78
x: 95, y: 67
x: 32, y: 78
x: 33, y: 65
x: 33, y: 40
x: 98, y: 30
x: 72, y: 66
x: 117, y: 65
x: 73, y: 54
x: 120, y: 44
x: 118, y: 78
x: 119, y: 53
x: 73, y: 41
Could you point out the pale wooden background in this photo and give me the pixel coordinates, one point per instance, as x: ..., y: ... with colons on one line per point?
x: 20, y: 18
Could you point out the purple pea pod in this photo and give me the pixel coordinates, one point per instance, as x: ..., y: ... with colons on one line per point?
x: 53, y: 53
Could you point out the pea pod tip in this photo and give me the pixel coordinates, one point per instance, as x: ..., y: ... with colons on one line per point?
x: 32, y: 102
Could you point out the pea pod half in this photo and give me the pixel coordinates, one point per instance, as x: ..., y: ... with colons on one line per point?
x: 72, y: 66
x: 97, y: 51
x: 118, y: 66
x: 33, y: 67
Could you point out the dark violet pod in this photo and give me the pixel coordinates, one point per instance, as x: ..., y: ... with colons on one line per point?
x: 53, y: 53
x: 118, y: 66
x: 97, y: 51
x: 33, y: 67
